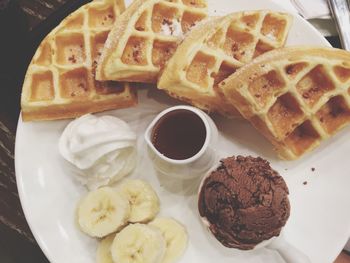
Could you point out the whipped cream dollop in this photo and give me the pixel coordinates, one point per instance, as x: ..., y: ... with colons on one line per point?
x: 102, y: 150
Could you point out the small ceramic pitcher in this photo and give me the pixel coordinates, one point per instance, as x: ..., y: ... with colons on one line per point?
x: 195, y: 166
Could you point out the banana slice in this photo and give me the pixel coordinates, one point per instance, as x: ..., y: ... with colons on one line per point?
x: 143, y: 200
x: 102, y: 212
x: 175, y: 236
x: 138, y: 244
x: 104, y: 250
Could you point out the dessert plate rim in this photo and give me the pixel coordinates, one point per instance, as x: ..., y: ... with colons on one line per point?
x: 24, y: 149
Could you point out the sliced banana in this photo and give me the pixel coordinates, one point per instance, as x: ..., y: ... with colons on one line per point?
x: 104, y: 250
x: 175, y: 236
x: 102, y: 212
x: 138, y: 243
x: 143, y: 200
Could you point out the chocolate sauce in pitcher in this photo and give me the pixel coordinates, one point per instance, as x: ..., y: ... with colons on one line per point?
x: 179, y: 134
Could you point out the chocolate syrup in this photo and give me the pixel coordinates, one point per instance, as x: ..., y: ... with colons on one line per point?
x: 179, y: 134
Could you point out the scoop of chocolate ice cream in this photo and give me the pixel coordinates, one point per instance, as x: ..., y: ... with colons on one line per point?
x: 245, y: 202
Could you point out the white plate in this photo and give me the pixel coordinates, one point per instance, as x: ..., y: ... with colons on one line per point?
x: 319, y: 224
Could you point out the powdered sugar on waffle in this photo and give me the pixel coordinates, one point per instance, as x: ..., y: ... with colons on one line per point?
x: 171, y: 28
x: 271, y: 36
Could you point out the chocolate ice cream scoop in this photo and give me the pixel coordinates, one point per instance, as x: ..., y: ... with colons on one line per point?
x: 245, y: 202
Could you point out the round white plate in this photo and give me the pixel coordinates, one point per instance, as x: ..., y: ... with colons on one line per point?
x: 319, y: 224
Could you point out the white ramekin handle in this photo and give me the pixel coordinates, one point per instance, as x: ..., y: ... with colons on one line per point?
x: 288, y: 252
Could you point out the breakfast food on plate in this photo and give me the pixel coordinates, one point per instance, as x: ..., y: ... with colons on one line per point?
x: 102, y: 150
x: 175, y: 236
x: 144, y: 202
x: 102, y: 212
x: 215, y: 49
x: 244, y: 202
x: 138, y: 243
x: 295, y: 96
x: 145, y: 36
x: 103, y: 254
x: 60, y: 82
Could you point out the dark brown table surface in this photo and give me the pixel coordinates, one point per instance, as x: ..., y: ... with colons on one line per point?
x: 23, y: 23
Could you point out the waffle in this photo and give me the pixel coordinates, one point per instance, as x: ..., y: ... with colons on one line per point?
x: 215, y: 49
x: 297, y: 97
x: 145, y: 37
x: 60, y: 81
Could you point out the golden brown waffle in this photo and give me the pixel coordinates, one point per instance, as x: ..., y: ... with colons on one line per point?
x: 215, y: 49
x: 60, y: 79
x: 145, y: 36
x: 297, y: 97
